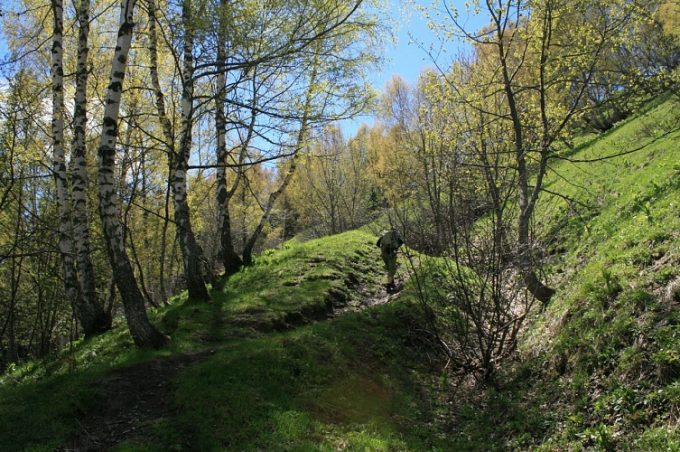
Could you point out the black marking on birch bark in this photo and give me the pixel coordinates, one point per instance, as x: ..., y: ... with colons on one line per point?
x: 126, y: 28
x: 222, y: 195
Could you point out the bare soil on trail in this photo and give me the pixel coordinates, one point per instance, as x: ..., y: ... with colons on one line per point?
x: 373, y: 297
x: 130, y: 401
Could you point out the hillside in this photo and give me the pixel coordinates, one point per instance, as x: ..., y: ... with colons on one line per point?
x: 305, y: 351
x: 600, y: 366
x: 285, y: 358
x: 609, y: 345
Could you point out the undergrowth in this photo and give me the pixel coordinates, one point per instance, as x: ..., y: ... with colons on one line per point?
x: 599, y: 366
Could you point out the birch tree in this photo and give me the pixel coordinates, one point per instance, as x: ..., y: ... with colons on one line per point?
x: 59, y: 166
x: 178, y: 156
x: 143, y: 332
x: 230, y: 259
x: 101, y: 315
x: 179, y: 162
x: 79, y: 283
x: 168, y: 140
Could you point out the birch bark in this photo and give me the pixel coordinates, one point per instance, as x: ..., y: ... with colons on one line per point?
x: 101, y: 318
x: 179, y: 161
x: 191, y: 251
x: 143, y: 332
x: 73, y: 292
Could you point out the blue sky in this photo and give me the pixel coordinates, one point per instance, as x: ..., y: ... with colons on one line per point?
x: 414, y: 48
x: 406, y: 57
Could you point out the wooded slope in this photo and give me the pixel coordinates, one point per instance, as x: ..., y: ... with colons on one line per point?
x: 287, y: 358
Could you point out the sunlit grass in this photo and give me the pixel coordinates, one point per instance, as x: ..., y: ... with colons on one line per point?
x: 598, y: 368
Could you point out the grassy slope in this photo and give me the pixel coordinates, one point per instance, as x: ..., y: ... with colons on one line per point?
x: 275, y: 382
x: 614, y: 352
x: 600, y: 367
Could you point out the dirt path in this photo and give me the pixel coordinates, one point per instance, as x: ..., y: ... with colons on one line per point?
x: 130, y: 401
x: 369, y: 298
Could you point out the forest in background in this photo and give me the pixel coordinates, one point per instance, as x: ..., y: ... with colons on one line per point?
x: 154, y: 147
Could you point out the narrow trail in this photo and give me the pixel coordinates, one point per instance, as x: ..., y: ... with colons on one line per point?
x: 369, y: 298
x: 132, y: 400
x: 129, y: 401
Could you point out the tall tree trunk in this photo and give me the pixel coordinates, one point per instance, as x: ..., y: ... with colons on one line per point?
x: 143, y: 332
x: 301, y: 138
x: 15, y: 277
x: 179, y: 161
x: 526, y: 202
x: 191, y: 251
x: 71, y: 285
x: 231, y: 260
x: 168, y: 137
x: 101, y: 320
x: 164, y: 239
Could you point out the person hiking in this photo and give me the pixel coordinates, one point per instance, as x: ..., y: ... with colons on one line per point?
x: 389, y: 242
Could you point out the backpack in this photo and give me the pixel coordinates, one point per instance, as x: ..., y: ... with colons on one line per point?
x: 389, y: 241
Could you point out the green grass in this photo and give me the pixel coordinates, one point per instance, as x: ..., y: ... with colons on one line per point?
x: 600, y: 367
x: 40, y: 415
x: 293, y: 285
x: 280, y: 379
x: 597, y: 369
x: 314, y: 388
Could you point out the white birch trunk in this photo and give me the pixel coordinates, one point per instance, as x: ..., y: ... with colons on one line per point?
x: 143, y: 333
x: 59, y: 168
x: 191, y: 251
x: 101, y: 318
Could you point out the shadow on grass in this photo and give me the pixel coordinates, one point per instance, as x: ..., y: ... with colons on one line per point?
x: 332, y: 385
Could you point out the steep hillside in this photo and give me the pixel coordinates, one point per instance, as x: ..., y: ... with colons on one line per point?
x: 613, y: 334
x: 599, y: 367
